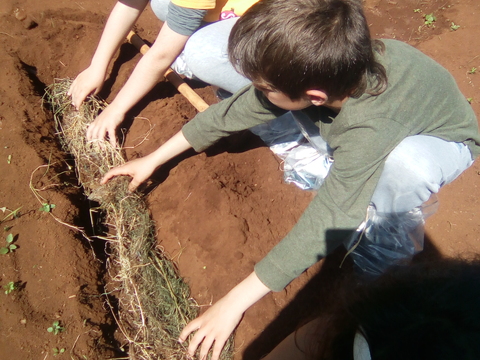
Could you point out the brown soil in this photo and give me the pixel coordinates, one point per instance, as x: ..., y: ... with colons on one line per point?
x: 217, y: 213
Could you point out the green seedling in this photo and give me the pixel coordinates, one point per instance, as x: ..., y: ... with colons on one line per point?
x: 416, y: 10
x: 9, y: 159
x: 6, y: 228
x: 12, y: 213
x: 473, y: 70
x: 454, y: 27
x: 469, y: 100
x: 56, y: 328
x: 47, y: 207
x: 11, y: 286
x: 9, y: 246
x: 57, y: 351
x: 429, y: 19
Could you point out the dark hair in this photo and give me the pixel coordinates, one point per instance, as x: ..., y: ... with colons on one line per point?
x: 418, y: 312
x: 297, y: 45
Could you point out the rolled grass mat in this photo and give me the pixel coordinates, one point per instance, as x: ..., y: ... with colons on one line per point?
x: 154, y: 301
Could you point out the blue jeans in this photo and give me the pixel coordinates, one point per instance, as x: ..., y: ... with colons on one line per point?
x: 393, y: 230
x: 417, y: 168
x: 205, y: 54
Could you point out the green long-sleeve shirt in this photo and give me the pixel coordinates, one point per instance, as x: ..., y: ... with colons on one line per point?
x: 421, y: 98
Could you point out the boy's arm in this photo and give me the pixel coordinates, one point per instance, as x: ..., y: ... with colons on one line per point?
x: 335, y: 212
x: 217, y: 323
x: 142, y: 168
x: 119, y: 23
x: 360, y: 149
x: 247, y: 108
x: 219, y: 120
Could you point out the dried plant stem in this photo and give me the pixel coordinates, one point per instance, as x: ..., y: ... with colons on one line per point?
x: 154, y: 301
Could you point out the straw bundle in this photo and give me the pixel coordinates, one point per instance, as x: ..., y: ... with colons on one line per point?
x: 154, y: 301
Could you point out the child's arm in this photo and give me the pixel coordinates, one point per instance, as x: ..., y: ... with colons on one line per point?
x: 121, y: 19
x: 199, y: 133
x: 217, y: 323
x: 147, y: 73
x: 140, y: 169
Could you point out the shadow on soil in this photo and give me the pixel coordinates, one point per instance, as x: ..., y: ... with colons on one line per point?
x: 320, y: 293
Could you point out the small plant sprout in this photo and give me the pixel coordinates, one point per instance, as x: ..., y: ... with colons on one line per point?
x: 57, y: 351
x: 416, y: 10
x: 429, y: 19
x: 11, y: 213
x: 470, y: 100
x: 9, y: 159
x: 56, y: 328
x: 11, y: 286
x: 454, y: 27
x: 9, y: 246
x: 473, y: 70
x: 47, y: 207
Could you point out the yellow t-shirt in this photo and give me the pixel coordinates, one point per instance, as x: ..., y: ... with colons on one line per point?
x: 217, y: 9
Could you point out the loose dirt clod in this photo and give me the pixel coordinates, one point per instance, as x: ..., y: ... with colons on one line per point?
x: 154, y: 300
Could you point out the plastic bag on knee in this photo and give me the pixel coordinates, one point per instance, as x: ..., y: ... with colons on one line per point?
x: 303, y: 165
x: 297, y: 142
x: 383, y: 240
x: 181, y: 68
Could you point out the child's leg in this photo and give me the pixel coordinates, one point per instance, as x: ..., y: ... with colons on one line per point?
x: 160, y: 8
x: 418, y: 167
x: 206, y: 56
x: 394, y: 229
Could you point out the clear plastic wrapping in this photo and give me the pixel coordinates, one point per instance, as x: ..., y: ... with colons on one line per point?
x: 385, y: 240
x: 305, y: 156
x: 382, y: 240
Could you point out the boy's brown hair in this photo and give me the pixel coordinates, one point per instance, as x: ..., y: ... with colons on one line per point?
x: 298, y: 45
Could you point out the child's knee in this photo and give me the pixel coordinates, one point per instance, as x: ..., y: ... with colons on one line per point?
x: 160, y: 8
x: 408, y: 179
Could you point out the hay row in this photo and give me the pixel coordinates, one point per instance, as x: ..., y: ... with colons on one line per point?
x: 154, y: 301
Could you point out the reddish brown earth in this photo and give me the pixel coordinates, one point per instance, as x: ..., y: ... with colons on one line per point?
x: 217, y: 213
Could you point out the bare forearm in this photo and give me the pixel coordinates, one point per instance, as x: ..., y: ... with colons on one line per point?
x: 176, y: 145
x: 150, y: 69
x: 119, y: 23
x: 247, y: 292
x: 215, y: 326
x: 148, y: 72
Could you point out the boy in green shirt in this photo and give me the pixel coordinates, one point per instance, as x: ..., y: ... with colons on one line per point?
x: 395, y: 121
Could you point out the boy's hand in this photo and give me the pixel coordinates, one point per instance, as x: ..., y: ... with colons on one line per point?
x: 218, y: 322
x: 105, y: 124
x: 89, y: 81
x: 142, y: 168
x: 212, y: 328
x: 139, y: 169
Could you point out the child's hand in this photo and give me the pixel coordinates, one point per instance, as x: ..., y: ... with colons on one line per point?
x: 89, y: 81
x: 139, y: 169
x: 218, y: 322
x: 105, y: 124
x: 212, y: 328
